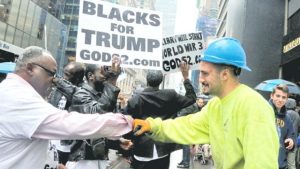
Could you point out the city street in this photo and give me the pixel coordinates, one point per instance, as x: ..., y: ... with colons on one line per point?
x: 175, y: 159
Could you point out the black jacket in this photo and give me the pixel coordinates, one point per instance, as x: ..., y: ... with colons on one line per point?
x: 157, y: 103
x: 189, y: 110
x: 63, y: 88
x: 89, y: 101
x: 285, y: 130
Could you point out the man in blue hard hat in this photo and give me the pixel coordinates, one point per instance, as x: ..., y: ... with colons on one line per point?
x: 238, y: 122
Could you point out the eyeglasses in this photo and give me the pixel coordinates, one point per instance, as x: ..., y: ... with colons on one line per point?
x: 49, y: 72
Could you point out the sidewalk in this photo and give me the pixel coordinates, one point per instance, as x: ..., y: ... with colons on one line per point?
x: 176, y: 157
x: 174, y: 160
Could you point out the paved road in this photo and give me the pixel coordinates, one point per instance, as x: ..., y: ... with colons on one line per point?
x: 175, y: 159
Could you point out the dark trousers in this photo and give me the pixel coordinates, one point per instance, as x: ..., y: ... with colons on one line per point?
x: 162, y: 163
x: 63, y: 157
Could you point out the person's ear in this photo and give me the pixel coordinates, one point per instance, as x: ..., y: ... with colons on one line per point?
x: 271, y: 95
x: 90, y: 76
x: 29, y: 68
x: 224, y: 74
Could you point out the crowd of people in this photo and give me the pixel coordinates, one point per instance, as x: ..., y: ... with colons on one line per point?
x: 81, y: 115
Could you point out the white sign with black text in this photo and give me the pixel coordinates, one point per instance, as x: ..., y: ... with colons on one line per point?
x: 184, y: 47
x: 106, y: 29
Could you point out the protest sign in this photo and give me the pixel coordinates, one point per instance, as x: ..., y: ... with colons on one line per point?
x: 183, y: 47
x: 106, y: 29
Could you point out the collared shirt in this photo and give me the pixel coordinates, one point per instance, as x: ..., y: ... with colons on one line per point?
x: 27, y: 122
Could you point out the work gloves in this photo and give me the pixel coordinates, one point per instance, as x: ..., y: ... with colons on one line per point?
x: 140, y: 127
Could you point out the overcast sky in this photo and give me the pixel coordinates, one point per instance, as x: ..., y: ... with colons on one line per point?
x: 186, y: 16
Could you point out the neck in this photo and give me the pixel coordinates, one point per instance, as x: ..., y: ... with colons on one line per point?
x: 229, y: 86
x: 153, y: 87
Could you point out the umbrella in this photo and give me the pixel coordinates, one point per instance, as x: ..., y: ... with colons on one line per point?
x: 7, y: 67
x: 268, y: 85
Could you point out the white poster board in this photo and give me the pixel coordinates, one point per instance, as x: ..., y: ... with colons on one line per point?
x: 184, y: 47
x: 106, y: 29
x: 11, y: 48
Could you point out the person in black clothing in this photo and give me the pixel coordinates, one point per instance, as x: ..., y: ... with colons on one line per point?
x: 67, y: 86
x: 290, y: 106
x: 98, y: 95
x: 153, y: 102
x: 61, y: 97
x: 74, y: 72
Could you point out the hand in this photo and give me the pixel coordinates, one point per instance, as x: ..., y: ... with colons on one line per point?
x: 115, y: 65
x: 290, y: 143
x: 126, y: 144
x: 61, y: 82
x: 61, y: 166
x: 140, y: 126
x: 56, y: 81
x: 184, y: 67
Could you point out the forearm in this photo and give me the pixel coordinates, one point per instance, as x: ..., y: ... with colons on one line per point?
x: 182, y: 130
x: 73, y: 125
x: 190, y: 93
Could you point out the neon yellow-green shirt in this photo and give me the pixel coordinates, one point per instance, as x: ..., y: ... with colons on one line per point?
x: 240, y: 128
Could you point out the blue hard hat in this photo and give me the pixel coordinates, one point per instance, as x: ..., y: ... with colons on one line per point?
x: 226, y: 51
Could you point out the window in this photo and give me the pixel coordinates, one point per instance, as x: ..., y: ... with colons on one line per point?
x: 10, y: 34
x: 22, y: 14
x: 25, y: 42
x: 35, y: 23
x: 5, y: 6
x: 18, y: 38
x: 29, y: 18
x: 12, y: 18
x: 2, y: 29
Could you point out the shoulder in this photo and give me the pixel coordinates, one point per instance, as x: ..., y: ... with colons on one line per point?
x: 84, y: 89
x: 169, y: 91
x: 249, y: 96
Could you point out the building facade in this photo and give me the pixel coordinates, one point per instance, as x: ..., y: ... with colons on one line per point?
x: 69, y: 17
x: 25, y: 23
x: 259, y: 26
x: 207, y: 23
x: 290, y: 60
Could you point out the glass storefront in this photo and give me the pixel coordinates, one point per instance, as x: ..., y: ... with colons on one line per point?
x: 24, y: 23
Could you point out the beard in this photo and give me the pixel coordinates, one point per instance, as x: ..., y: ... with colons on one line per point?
x: 99, y: 85
x: 205, y: 89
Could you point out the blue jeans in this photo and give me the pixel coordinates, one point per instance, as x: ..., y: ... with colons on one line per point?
x: 186, y: 154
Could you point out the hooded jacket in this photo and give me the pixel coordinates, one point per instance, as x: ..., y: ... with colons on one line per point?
x: 285, y: 130
x: 291, y: 106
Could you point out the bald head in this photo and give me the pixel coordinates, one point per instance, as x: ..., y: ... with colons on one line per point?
x: 74, y: 72
x: 32, y: 54
x: 37, y: 66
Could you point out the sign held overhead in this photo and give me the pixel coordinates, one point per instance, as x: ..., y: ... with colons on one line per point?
x: 106, y: 29
x: 182, y: 48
